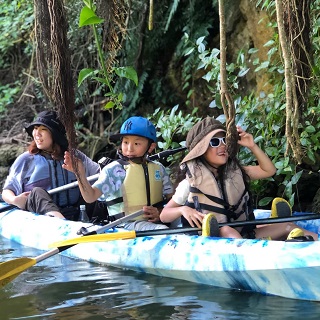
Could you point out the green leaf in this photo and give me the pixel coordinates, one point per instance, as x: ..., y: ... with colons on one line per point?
x: 253, y: 50
x: 265, y: 201
x: 310, y: 129
x: 88, y: 17
x: 213, y: 104
x: 109, y: 105
x: 288, y: 190
x: 263, y: 65
x: 201, y: 48
x: 189, y: 51
x: 296, y: 177
x: 243, y: 72
x: 269, y: 43
x: 85, y: 73
x: 311, y: 156
x: 101, y: 80
x: 127, y: 72
x: 200, y: 40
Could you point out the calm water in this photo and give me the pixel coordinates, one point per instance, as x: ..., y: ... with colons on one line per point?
x: 62, y: 288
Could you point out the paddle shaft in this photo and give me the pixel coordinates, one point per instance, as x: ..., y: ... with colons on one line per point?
x: 126, y: 235
x: 54, y: 251
x: 191, y: 229
x: 115, y: 223
x: 230, y: 224
x: 159, y: 155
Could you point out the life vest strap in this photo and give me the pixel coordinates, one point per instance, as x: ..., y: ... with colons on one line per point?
x: 212, y: 198
x: 228, y: 209
x: 214, y: 209
x: 112, y: 202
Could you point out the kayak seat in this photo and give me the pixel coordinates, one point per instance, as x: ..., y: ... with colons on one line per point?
x: 280, y: 208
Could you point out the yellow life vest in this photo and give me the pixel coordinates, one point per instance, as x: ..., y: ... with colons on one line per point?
x: 142, y: 186
x: 206, y: 194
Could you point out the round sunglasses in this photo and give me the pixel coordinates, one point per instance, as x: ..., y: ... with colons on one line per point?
x: 215, y: 142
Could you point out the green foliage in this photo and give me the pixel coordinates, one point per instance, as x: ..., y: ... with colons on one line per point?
x: 16, y: 20
x: 88, y: 17
x: 172, y: 128
x: 7, y: 95
x: 210, y: 64
x: 15, y: 46
x: 263, y: 115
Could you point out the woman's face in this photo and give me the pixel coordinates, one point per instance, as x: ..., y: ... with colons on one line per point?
x: 216, y: 154
x: 42, y: 137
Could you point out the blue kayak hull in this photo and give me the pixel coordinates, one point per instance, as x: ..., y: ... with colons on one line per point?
x: 286, y: 269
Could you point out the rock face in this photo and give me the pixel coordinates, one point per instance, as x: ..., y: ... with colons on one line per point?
x: 8, y: 153
x: 247, y: 28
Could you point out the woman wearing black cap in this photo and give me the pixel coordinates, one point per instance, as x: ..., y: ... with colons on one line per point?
x: 40, y: 169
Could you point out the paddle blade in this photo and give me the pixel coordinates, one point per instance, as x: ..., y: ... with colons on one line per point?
x: 95, y: 238
x: 9, y: 270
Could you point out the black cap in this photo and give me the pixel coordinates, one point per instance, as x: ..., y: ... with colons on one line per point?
x: 50, y: 120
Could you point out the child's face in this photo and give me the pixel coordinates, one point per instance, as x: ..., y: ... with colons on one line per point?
x: 135, y: 146
x: 217, y: 155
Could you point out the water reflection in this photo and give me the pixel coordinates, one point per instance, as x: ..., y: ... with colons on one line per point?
x: 62, y: 288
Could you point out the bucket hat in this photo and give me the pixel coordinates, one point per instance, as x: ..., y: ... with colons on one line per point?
x: 50, y: 120
x: 199, y: 136
x: 136, y: 126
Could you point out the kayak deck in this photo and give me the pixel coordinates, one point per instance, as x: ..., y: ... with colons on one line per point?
x: 286, y: 269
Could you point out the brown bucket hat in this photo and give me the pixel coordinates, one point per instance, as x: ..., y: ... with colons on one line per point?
x: 199, y: 136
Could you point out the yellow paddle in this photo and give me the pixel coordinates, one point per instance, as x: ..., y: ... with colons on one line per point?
x: 9, y: 270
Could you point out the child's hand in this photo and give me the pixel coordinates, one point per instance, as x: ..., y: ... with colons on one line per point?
x: 193, y: 216
x: 67, y: 164
x: 246, y: 139
x: 151, y: 213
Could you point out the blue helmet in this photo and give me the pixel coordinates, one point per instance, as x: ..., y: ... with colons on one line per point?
x: 137, y: 126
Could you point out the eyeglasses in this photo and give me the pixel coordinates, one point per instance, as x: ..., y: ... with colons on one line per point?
x: 215, y: 142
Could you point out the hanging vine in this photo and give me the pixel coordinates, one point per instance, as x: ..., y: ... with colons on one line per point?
x: 226, y: 98
x: 54, y: 63
x: 292, y: 105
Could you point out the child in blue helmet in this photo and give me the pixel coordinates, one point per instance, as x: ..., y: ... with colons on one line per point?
x: 133, y: 182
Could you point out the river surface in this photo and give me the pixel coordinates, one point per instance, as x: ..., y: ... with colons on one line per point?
x: 63, y: 288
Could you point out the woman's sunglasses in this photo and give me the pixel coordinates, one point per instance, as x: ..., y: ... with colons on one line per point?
x: 215, y: 142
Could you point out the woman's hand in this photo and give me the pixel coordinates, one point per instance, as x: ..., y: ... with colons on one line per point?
x: 21, y: 200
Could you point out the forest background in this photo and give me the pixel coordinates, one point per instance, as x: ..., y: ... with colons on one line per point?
x: 166, y: 66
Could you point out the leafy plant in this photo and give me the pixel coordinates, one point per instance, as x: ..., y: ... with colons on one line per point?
x: 172, y: 128
x: 7, y: 95
x: 88, y: 17
x: 16, y: 20
x: 261, y: 115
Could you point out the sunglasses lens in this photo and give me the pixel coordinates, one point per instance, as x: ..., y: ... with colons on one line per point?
x: 214, y: 142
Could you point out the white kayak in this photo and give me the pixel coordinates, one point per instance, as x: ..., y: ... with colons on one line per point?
x: 286, y: 269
